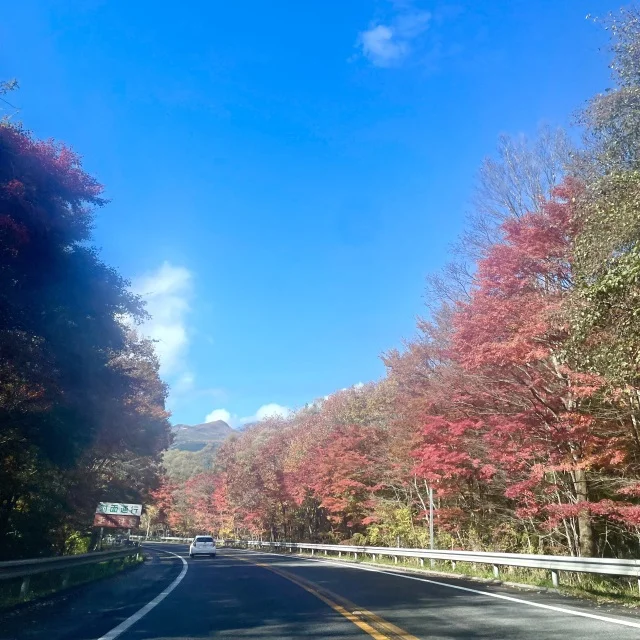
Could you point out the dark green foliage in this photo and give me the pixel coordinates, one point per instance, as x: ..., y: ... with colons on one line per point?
x: 81, y: 404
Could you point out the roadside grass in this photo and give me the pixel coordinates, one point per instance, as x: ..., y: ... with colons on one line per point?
x: 46, y: 584
x: 601, y: 589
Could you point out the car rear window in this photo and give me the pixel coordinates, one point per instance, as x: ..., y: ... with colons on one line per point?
x: 204, y: 539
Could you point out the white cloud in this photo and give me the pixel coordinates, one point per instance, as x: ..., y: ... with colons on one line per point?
x: 219, y: 414
x: 387, y: 45
x: 380, y: 46
x: 167, y: 292
x: 272, y: 410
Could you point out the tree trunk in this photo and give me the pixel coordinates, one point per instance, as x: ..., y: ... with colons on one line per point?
x: 585, y: 528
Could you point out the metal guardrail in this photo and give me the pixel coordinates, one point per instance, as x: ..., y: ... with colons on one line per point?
x: 175, y: 539
x: 554, y: 564
x: 179, y: 539
x: 24, y: 569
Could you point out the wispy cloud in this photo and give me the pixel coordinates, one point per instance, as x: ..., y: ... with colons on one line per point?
x: 184, y: 384
x: 389, y: 43
x: 167, y: 292
x: 381, y: 47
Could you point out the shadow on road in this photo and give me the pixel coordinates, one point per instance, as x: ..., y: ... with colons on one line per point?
x: 229, y: 597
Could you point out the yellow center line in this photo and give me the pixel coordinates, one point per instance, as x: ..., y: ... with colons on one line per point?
x: 368, y: 621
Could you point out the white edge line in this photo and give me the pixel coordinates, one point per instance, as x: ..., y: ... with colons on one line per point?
x: 582, y: 614
x: 131, y: 620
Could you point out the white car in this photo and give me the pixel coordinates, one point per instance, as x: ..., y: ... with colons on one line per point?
x: 202, y: 546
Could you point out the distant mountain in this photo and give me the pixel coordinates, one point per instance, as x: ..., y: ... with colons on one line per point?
x: 197, y: 437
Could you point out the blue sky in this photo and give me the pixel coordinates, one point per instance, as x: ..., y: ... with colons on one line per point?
x: 284, y: 174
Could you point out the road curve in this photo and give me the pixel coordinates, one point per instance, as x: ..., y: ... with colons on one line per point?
x: 243, y: 594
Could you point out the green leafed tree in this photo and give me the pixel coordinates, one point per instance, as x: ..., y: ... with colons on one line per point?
x: 606, y: 321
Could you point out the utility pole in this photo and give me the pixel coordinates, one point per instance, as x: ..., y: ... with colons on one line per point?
x: 431, y: 540
x: 431, y: 518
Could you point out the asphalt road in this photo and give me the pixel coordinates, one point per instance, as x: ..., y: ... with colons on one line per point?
x: 247, y: 595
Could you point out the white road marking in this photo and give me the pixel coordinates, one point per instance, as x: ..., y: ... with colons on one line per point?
x: 582, y: 614
x: 125, y: 624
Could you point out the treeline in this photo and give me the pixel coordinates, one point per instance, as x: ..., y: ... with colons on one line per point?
x: 518, y: 402
x: 82, y: 415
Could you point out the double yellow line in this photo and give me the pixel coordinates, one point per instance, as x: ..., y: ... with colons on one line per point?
x: 368, y: 621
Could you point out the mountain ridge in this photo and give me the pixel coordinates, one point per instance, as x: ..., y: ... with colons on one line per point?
x: 196, y: 437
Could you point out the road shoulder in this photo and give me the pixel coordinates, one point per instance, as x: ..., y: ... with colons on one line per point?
x: 93, y: 609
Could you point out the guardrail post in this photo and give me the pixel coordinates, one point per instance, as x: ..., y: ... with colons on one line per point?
x: 395, y: 559
x: 24, y: 587
x: 339, y: 554
x: 312, y: 551
x: 65, y: 579
x: 555, y: 580
x: 422, y: 562
x: 373, y: 557
x: 496, y: 571
x: 325, y: 552
x: 355, y: 556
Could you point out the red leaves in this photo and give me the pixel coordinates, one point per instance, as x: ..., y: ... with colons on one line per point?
x: 43, y: 189
x: 443, y: 455
x: 199, y: 505
x: 342, y: 474
x: 625, y: 513
x: 511, y: 413
x: 521, y: 283
x: 56, y: 165
x: 482, y: 409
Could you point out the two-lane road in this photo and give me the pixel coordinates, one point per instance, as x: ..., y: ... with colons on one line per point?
x: 242, y: 594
